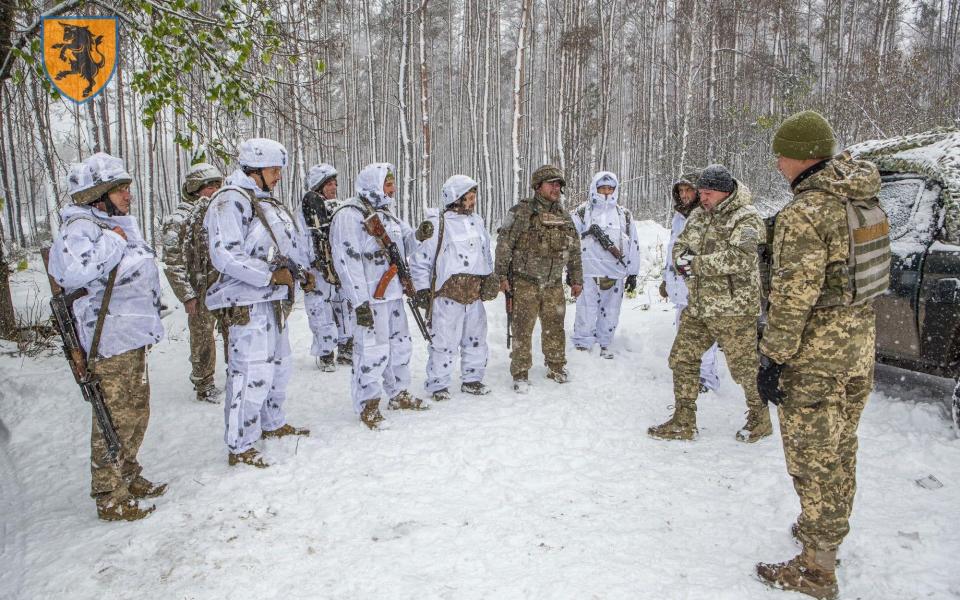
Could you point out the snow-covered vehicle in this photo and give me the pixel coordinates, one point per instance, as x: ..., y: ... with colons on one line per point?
x: 918, y: 320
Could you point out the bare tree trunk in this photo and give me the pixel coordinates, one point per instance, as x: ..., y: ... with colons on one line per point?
x: 518, y: 83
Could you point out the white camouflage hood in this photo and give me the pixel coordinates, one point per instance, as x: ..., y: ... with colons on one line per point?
x: 370, y: 181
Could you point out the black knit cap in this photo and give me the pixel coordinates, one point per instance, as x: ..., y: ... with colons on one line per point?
x: 717, y: 177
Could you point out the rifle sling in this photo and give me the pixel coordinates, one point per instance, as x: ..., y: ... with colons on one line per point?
x: 433, y: 270
x: 102, y: 315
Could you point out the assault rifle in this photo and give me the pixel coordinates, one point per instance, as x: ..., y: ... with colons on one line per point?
x: 605, y: 242
x: 317, y: 214
x: 374, y: 226
x: 61, y: 306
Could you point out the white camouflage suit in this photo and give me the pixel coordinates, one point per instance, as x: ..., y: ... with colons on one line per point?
x: 456, y: 328
x: 598, y: 310
x: 329, y: 314
x: 258, y: 352
x: 381, y: 354
x: 83, y: 256
x: 677, y: 291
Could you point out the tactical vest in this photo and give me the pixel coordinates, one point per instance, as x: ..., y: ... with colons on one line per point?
x: 543, y: 244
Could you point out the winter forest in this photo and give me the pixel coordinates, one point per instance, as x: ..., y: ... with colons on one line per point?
x: 489, y: 88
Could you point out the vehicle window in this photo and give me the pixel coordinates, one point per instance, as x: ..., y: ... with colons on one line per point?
x: 898, y: 198
x: 911, y: 204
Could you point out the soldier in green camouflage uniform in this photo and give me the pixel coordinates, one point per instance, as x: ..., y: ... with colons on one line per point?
x: 536, y: 242
x: 717, y: 254
x: 189, y: 272
x: 818, y: 347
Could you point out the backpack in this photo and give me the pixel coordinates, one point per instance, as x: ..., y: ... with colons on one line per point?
x: 868, y: 267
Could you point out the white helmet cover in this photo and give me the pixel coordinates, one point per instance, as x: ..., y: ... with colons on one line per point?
x: 95, y: 177
x: 319, y: 174
x: 456, y: 187
x: 259, y: 153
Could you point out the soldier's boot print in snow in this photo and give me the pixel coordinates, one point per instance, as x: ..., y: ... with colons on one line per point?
x: 758, y: 425
x: 474, y: 387
x: 371, y: 415
x: 681, y: 426
x: 141, y: 487
x: 250, y: 457
x: 284, y: 431
x: 812, y: 572
x: 121, y: 506
x: 326, y: 363
x: 345, y: 353
x: 405, y: 401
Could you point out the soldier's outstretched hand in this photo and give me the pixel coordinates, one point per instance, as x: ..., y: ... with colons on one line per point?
x: 575, y: 290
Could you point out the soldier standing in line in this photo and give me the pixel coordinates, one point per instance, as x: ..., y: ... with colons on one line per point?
x: 452, y: 270
x: 381, y: 339
x: 254, y: 242
x: 817, y: 350
x: 535, y: 243
x: 189, y: 272
x: 607, y: 271
x: 673, y: 286
x: 328, y: 312
x: 100, y: 248
x: 717, y: 255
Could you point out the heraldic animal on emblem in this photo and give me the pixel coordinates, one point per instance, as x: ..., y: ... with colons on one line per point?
x: 78, y: 49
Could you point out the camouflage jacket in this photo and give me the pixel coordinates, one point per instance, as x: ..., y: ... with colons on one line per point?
x: 185, y: 255
x: 810, y: 249
x: 726, y: 277
x: 537, y: 241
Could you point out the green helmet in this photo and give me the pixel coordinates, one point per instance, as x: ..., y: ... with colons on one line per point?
x: 546, y: 173
x: 199, y: 176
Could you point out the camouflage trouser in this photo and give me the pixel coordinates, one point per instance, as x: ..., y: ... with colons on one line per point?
x: 529, y: 302
x: 203, y: 347
x: 818, y: 423
x: 126, y: 391
x: 737, y: 337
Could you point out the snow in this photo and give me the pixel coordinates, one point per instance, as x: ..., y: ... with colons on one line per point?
x: 556, y: 494
x: 913, y: 210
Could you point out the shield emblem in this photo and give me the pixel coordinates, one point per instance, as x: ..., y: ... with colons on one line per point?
x: 80, y: 54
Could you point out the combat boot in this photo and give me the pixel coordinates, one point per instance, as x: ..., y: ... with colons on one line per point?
x: 758, y: 425
x: 474, y: 387
x: 606, y: 353
x: 812, y: 572
x: 405, y: 401
x: 250, y: 457
x: 286, y: 430
x: 141, y: 487
x: 559, y: 375
x: 370, y: 415
x: 521, y: 386
x: 326, y: 363
x: 121, y: 506
x: 441, y: 395
x: 681, y: 426
x: 209, y: 393
x: 345, y: 352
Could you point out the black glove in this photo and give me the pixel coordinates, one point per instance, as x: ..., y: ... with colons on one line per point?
x: 768, y: 381
x: 422, y: 299
x: 631, y: 284
x: 364, y: 315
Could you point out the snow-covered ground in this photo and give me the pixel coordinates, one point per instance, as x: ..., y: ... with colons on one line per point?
x: 557, y: 494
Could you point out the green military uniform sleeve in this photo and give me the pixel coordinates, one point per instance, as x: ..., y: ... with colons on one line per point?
x: 689, y: 238
x: 799, y: 263
x: 575, y: 262
x: 739, y: 255
x: 506, y: 240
